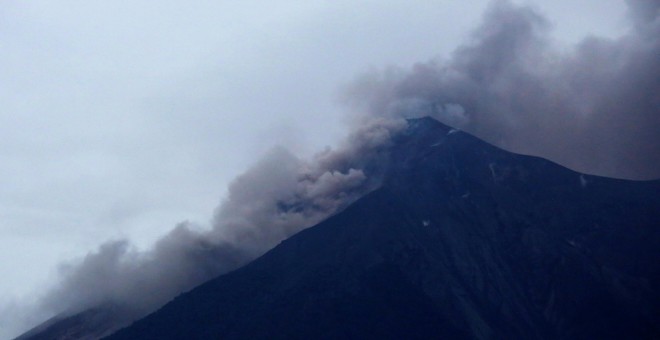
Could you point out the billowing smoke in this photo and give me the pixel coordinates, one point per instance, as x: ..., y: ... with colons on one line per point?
x: 594, y: 108
x: 279, y: 196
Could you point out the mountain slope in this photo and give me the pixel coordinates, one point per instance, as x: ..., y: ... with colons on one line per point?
x: 462, y: 240
x: 90, y: 324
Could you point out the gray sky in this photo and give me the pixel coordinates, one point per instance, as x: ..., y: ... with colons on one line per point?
x: 123, y: 119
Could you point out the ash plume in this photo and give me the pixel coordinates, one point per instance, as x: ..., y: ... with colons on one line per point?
x: 595, y: 108
x: 277, y: 197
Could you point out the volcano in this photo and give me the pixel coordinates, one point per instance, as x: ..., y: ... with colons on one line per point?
x: 462, y: 240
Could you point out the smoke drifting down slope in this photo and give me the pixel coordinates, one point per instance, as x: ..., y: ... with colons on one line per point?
x: 595, y: 109
x: 279, y: 196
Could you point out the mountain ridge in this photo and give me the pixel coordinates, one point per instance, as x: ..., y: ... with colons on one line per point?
x: 461, y: 240
x: 448, y: 246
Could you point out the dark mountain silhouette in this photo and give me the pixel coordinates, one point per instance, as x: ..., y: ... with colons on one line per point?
x: 462, y: 240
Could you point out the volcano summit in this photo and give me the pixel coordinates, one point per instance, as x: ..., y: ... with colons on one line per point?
x: 460, y: 240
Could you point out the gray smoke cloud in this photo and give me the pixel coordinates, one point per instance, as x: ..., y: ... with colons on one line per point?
x: 277, y: 197
x: 594, y: 108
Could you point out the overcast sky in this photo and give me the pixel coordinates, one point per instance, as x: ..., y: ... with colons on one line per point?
x: 120, y: 119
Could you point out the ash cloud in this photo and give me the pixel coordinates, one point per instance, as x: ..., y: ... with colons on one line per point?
x: 277, y: 197
x: 594, y: 108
